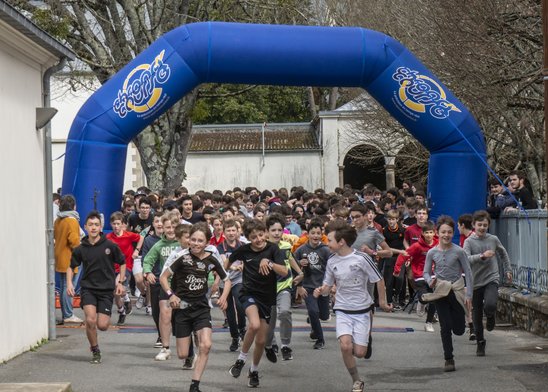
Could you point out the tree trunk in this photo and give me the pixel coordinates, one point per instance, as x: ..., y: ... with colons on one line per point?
x: 163, y: 146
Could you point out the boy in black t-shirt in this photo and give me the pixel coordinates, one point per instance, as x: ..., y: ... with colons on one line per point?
x: 97, y: 255
x: 262, y: 261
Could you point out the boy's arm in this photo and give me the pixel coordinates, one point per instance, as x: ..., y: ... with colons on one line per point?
x: 150, y: 260
x: 381, y: 288
x: 501, y: 251
x: 295, y: 266
x: 322, y: 290
x: 74, y: 234
x: 75, y: 261
x: 386, y: 251
x: 138, y: 247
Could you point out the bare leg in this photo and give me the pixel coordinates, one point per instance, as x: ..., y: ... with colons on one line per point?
x: 260, y: 341
x: 182, y: 347
x: 165, y: 322
x: 90, y: 312
x: 204, y: 337
x: 254, y: 324
x: 348, y: 351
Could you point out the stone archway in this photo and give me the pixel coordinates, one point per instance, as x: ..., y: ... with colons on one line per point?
x: 364, y: 164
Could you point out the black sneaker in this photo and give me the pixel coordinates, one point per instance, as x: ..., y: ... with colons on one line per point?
x: 320, y: 344
x: 472, y: 332
x: 490, y: 324
x: 313, y: 336
x: 235, y: 344
x: 225, y: 324
x: 158, y: 343
x: 480, y: 350
x: 128, y: 307
x: 449, y: 365
x: 194, y: 388
x: 287, y: 353
x: 271, y: 354
x: 236, y: 369
x: 369, y: 351
x: 253, y: 379
x: 95, y: 357
x: 121, y: 319
x: 275, y: 348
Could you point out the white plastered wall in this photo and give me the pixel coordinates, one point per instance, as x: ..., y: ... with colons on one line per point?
x: 226, y: 170
x: 23, y: 255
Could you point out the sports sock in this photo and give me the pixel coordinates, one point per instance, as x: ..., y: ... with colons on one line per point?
x: 254, y: 368
x: 242, y: 356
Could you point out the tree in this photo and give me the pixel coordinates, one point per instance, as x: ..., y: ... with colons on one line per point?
x: 489, y: 52
x: 107, y: 34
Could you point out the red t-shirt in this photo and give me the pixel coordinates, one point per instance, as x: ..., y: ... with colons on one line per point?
x: 215, y: 242
x: 125, y: 243
x: 412, y: 234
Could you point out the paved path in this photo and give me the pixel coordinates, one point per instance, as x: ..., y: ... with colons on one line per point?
x: 405, y: 358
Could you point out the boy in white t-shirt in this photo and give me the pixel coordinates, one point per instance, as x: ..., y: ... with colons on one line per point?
x: 351, y: 270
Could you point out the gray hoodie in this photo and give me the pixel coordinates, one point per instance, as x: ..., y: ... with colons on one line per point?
x: 486, y: 271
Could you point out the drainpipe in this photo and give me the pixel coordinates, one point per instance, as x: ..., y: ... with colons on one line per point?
x: 46, y: 98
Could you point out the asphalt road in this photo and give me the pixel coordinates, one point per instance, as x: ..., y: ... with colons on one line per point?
x: 405, y: 358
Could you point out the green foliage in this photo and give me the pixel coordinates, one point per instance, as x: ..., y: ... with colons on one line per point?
x: 230, y: 104
x: 38, y: 344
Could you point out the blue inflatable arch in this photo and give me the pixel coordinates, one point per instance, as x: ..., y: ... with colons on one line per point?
x: 276, y: 55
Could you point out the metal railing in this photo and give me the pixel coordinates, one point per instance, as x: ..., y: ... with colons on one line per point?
x: 524, y: 235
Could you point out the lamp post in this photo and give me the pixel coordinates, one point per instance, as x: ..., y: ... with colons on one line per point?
x: 545, y: 79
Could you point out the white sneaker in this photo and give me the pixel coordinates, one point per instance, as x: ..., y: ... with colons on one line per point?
x: 428, y: 327
x: 148, y: 310
x: 73, y: 319
x: 163, y: 355
x: 140, y: 302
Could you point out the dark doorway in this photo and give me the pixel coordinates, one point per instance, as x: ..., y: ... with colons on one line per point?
x: 364, y: 164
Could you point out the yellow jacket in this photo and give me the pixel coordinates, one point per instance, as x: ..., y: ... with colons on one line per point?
x: 66, y: 233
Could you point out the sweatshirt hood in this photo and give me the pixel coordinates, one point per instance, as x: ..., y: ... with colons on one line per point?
x: 85, y: 240
x: 68, y: 214
x: 423, y: 243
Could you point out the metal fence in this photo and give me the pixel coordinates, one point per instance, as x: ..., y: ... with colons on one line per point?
x: 524, y: 235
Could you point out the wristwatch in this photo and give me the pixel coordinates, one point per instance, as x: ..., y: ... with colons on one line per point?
x: 270, y: 264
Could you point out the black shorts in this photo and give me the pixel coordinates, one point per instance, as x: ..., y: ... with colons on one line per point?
x: 101, y: 299
x: 191, y: 319
x: 264, y: 310
x: 162, y: 295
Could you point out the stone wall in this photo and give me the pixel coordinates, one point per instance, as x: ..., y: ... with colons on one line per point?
x: 526, y: 311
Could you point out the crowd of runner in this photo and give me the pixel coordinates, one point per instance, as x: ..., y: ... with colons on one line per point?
x: 256, y: 254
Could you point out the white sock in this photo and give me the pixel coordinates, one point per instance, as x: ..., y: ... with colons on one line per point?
x: 121, y: 310
x: 254, y: 367
x: 126, y: 298
x: 242, y: 356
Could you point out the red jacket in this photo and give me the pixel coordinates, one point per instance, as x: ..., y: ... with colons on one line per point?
x: 417, y: 256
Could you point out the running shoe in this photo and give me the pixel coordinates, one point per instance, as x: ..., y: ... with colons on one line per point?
x: 95, y: 357
x: 225, y: 324
x: 158, y: 343
x: 313, y: 335
x: 140, y: 302
x: 320, y: 344
x: 128, y: 307
x: 275, y: 348
x: 287, y: 353
x: 449, y: 365
x: 471, y: 332
x: 121, y: 319
x: 480, y: 350
x: 73, y: 319
x: 194, y: 388
x: 148, y: 310
x: 428, y: 327
x: 271, y: 354
x: 163, y: 355
x: 236, y: 369
x: 358, y: 386
x: 235, y: 344
x: 189, y: 363
x: 253, y: 379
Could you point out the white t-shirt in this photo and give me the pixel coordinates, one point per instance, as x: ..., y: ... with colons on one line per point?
x: 351, y: 274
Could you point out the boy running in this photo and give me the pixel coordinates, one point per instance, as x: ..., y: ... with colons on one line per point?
x: 98, y: 256
x: 313, y: 257
x: 351, y: 271
x: 485, y: 252
x: 263, y: 261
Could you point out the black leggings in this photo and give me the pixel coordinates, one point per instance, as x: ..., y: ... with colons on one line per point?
x: 484, y: 299
x: 451, y: 315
